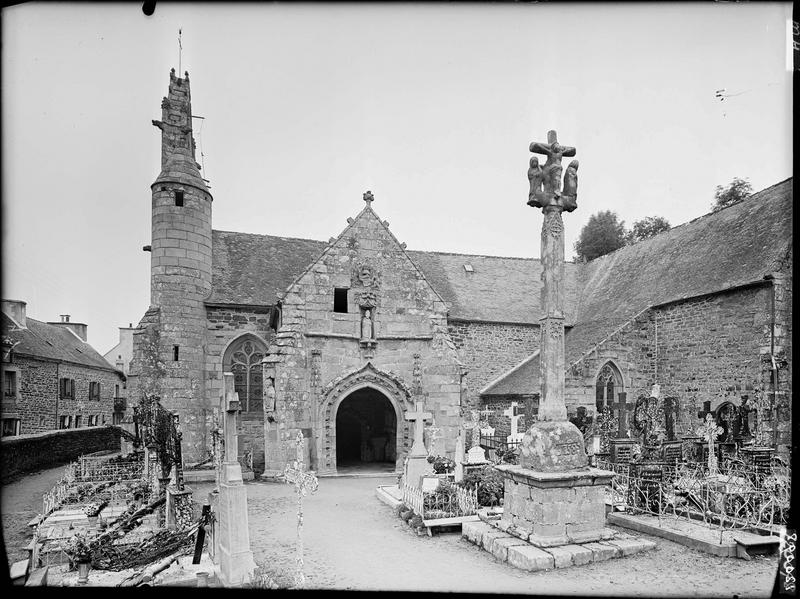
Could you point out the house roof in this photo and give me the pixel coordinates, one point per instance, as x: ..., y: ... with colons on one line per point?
x: 52, y: 342
x: 256, y: 269
x: 735, y: 246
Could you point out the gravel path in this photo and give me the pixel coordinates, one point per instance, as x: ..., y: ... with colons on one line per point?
x: 353, y: 541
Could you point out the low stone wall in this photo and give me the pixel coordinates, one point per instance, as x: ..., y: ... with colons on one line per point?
x: 27, y: 453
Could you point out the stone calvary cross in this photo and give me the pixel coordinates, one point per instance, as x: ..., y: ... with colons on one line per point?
x: 303, y: 482
x: 418, y: 417
x: 709, y: 430
x: 546, y: 193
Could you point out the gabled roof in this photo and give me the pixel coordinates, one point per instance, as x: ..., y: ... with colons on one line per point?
x: 736, y: 246
x: 256, y: 269
x: 52, y: 342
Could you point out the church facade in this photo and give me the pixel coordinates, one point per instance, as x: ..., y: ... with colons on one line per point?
x: 339, y: 339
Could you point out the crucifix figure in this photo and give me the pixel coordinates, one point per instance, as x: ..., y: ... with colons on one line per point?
x: 550, y: 176
x: 303, y: 482
x: 622, y: 407
x: 418, y: 417
x: 709, y: 430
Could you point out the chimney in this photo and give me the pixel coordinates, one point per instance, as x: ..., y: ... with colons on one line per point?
x: 76, y: 327
x: 16, y: 310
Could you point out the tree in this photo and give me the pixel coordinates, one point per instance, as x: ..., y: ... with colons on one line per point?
x: 735, y: 192
x: 646, y: 228
x: 603, y: 233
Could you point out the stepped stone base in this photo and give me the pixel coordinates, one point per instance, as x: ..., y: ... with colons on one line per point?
x: 522, y: 554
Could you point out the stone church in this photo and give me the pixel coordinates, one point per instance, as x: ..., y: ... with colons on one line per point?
x: 339, y: 339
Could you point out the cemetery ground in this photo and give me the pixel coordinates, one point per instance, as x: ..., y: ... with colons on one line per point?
x: 354, y: 541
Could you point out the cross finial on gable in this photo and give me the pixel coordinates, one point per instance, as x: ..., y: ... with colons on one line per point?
x: 369, y: 198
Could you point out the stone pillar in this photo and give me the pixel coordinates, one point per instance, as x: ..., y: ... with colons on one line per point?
x: 551, y: 349
x: 180, y: 508
x: 236, y: 561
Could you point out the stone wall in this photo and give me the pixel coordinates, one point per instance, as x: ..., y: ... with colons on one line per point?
x: 38, y: 405
x: 319, y: 358
x: 225, y: 324
x: 708, y: 348
x: 487, y: 350
x: 28, y: 453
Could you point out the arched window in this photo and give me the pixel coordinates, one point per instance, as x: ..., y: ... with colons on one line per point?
x: 608, y: 385
x: 243, y: 359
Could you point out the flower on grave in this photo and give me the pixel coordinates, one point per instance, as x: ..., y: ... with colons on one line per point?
x: 93, y: 509
x: 78, y: 548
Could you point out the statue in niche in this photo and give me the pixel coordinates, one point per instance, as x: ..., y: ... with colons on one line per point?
x: 366, y: 326
x: 535, y: 176
x: 746, y: 413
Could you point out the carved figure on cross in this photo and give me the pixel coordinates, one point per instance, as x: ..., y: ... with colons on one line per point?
x: 710, y: 431
x: 303, y: 483
x: 549, y: 177
x: 474, y: 426
x: 434, y: 434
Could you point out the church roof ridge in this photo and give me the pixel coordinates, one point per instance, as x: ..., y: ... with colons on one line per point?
x: 472, y: 255
x: 283, y: 237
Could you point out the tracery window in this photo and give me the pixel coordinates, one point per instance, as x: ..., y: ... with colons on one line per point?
x: 609, y: 383
x: 245, y: 364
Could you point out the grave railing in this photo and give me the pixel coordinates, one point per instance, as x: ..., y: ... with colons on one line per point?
x: 736, y: 499
x: 457, y: 502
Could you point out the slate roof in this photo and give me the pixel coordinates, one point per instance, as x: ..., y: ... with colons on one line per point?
x: 255, y: 269
x: 736, y: 246
x: 42, y: 340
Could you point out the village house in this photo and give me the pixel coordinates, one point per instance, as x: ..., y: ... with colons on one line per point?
x: 52, y: 378
x: 339, y: 339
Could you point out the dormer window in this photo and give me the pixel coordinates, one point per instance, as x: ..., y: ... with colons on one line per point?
x: 340, y: 300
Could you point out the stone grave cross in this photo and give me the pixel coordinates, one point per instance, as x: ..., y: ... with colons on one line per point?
x: 303, y: 482
x: 486, y: 430
x: 709, y: 430
x: 622, y: 407
x: 232, y: 472
x: 418, y: 417
x: 513, y: 413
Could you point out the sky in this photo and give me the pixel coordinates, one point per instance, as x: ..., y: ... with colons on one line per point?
x: 432, y: 107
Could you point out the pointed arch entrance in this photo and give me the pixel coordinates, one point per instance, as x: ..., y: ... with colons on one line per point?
x: 362, y: 416
x: 366, y: 431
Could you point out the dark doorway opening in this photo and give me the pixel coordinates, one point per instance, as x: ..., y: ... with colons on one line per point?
x: 366, y: 432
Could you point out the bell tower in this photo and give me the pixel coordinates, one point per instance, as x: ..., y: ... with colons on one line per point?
x: 180, y: 271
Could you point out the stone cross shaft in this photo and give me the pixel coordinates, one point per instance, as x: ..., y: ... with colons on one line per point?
x: 709, y: 430
x: 230, y: 407
x: 474, y: 426
x: 303, y: 482
x: 552, y: 406
x: 418, y: 417
x: 434, y: 434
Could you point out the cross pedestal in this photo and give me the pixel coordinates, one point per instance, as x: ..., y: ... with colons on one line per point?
x: 236, y: 563
x: 416, y: 464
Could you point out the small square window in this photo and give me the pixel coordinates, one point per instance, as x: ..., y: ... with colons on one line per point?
x: 340, y: 300
x: 10, y: 427
x: 178, y: 198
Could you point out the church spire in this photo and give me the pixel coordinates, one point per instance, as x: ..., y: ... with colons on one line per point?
x: 177, y: 141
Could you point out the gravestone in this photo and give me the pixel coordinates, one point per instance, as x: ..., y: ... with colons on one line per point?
x: 553, y: 496
x: 416, y: 464
x: 236, y: 561
x: 621, y: 445
x: 514, y: 415
x: 476, y: 453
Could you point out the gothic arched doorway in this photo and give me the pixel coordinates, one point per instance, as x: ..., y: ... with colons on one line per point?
x: 366, y: 431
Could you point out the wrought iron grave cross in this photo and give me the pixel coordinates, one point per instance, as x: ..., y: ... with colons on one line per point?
x: 709, y: 430
x: 303, y: 482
